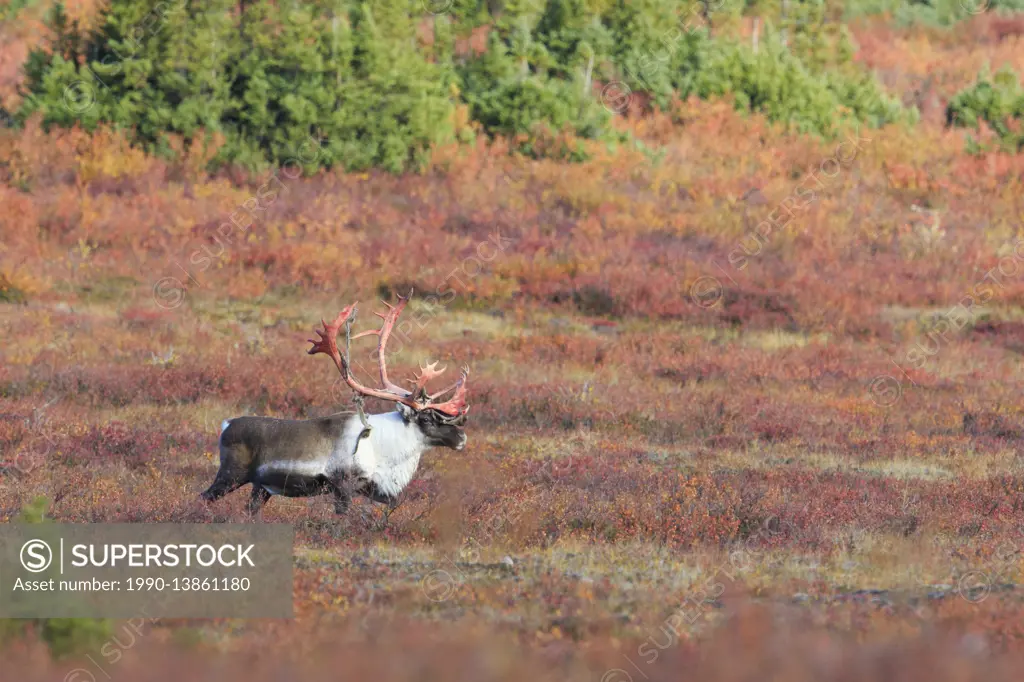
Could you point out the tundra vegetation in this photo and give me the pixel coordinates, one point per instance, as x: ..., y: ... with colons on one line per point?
x: 744, y: 317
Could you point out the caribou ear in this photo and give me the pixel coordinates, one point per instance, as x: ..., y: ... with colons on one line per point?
x: 407, y: 412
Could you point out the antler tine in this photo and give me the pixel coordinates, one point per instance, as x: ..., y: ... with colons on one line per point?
x: 461, y: 380
x: 426, y: 374
x: 456, y: 405
x: 384, y: 334
x: 328, y: 344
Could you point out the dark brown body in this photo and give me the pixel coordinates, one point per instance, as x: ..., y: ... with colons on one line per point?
x: 330, y: 455
x: 292, y: 458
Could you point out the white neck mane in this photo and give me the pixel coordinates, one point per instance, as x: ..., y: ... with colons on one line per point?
x: 389, y: 457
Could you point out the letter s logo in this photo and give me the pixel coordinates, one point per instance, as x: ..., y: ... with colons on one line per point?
x: 36, y: 556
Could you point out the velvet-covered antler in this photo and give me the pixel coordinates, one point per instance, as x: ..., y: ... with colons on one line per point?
x: 454, y: 409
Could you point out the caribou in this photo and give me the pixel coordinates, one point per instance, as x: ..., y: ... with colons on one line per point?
x: 344, y: 453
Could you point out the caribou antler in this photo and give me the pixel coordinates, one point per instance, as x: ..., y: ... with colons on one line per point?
x: 454, y: 409
x: 426, y: 374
